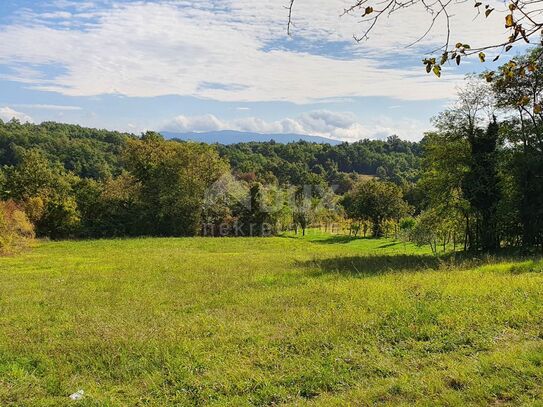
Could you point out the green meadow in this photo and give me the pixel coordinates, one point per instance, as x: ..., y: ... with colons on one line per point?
x: 317, y: 321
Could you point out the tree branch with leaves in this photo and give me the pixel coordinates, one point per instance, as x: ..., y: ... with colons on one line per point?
x: 523, y: 21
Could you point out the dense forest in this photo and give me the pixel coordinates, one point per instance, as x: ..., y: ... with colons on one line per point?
x: 475, y: 182
x: 308, y: 163
x: 93, y: 153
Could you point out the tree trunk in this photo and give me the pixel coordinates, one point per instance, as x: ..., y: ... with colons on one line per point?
x: 466, y: 233
x: 377, y: 232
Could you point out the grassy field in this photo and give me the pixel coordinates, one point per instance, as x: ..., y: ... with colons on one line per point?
x: 324, y: 321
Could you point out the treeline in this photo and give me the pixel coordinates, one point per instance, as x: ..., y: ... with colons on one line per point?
x: 74, y: 182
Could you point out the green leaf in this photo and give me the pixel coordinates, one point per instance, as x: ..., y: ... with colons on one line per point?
x: 458, y: 60
x: 437, y: 71
x: 482, y: 56
x: 508, y: 48
x: 444, y: 58
x: 488, y: 11
x: 367, y: 11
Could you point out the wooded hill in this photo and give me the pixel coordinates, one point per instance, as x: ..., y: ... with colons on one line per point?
x: 94, y: 153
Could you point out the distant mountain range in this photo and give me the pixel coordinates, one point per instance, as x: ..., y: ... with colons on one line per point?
x: 234, y: 137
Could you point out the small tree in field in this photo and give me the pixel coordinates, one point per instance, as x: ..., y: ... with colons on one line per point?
x: 377, y: 201
x: 304, y: 213
x: 436, y: 229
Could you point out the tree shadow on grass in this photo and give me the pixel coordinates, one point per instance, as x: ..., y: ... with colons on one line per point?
x: 370, y: 265
x: 391, y: 244
x: 339, y: 239
x: 333, y: 239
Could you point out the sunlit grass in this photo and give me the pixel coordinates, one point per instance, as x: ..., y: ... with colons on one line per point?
x: 323, y: 320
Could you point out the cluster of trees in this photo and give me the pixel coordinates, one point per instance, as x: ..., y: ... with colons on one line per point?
x: 482, y: 170
x: 480, y: 184
x: 153, y: 187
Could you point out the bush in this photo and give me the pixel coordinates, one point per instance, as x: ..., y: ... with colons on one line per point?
x: 16, y: 231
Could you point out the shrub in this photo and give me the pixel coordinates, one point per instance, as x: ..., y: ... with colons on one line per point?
x: 16, y: 231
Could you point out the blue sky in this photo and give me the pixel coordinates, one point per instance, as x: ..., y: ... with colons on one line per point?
x: 206, y: 65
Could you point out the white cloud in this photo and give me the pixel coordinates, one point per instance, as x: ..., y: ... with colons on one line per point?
x: 228, y: 50
x: 323, y: 120
x: 207, y: 122
x: 56, y: 14
x: 336, y: 125
x: 77, y: 4
x: 48, y: 107
x: 7, y: 113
